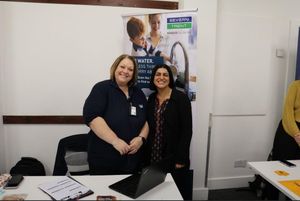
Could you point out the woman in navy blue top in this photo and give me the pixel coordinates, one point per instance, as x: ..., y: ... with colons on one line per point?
x: 115, y: 110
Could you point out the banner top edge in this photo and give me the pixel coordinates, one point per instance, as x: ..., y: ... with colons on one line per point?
x: 162, y: 12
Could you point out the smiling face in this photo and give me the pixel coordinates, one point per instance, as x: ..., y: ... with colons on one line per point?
x: 161, y: 78
x: 155, y: 22
x: 124, y: 72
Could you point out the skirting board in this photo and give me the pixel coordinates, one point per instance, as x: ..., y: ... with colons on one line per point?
x: 229, y: 182
x: 200, y: 193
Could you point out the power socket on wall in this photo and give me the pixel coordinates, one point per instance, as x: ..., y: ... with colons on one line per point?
x: 240, y: 163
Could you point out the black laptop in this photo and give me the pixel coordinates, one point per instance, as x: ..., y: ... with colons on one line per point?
x: 139, y: 183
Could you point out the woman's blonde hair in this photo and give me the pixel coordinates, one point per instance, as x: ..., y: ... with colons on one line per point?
x: 151, y: 16
x: 114, y: 66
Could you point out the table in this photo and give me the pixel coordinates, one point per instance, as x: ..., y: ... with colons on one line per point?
x: 266, y: 170
x: 99, y: 184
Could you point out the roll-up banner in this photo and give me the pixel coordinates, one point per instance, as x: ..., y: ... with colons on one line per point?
x: 169, y: 38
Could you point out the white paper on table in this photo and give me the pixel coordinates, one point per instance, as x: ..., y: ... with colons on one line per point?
x: 64, y: 188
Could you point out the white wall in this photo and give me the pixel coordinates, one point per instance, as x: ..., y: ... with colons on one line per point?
x: 54, y: 53
x: 2, y: 154
x: 250, y: 83
x: 51, y: 52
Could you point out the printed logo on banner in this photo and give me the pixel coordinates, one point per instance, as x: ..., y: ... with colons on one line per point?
x: 179, y: 23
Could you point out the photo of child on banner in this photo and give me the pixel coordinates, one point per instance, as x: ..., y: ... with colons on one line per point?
x: 159, y: 38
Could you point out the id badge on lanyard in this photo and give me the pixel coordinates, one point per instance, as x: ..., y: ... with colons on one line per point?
x: 132, y: 110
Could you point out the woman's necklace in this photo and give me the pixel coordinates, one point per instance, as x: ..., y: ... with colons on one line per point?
x: 163, y: 95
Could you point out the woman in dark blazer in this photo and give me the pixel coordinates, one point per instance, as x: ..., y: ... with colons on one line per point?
x: 169, y: 117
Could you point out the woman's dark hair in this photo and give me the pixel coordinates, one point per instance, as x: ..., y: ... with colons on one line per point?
x: 165, y: 66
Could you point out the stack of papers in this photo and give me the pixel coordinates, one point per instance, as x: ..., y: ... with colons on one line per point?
x: 65, y: 188
x: 292, y: 185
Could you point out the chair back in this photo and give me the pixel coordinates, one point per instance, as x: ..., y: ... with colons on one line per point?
x: 71, y: 156
x: 77, y: 162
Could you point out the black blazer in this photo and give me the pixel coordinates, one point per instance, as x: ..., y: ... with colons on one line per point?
x: 177, y: 128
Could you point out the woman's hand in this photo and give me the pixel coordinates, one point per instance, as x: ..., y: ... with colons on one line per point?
x: 179, y: 166
x: 135, y: 145
x: 297, y: 138
x: 121, y: 146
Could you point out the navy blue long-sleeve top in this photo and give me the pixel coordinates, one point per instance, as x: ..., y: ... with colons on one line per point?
x: 108, y: 101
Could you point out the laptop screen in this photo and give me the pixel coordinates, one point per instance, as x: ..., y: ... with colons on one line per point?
x: 139, y: 183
